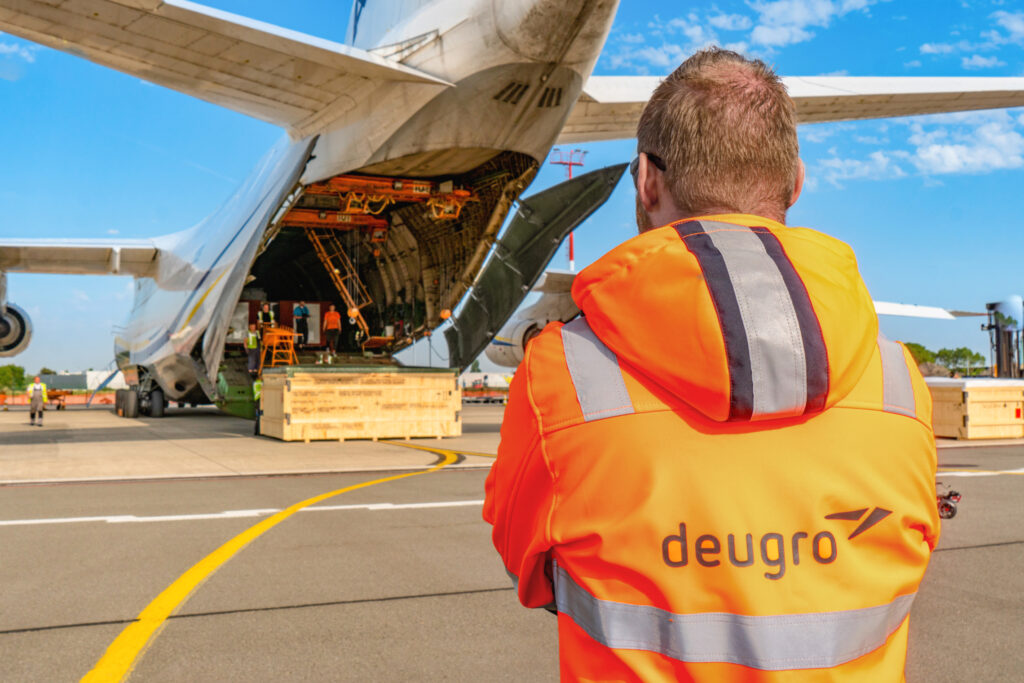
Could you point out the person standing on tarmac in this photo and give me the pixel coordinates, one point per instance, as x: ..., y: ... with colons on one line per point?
x: 721, y: 471
x: 37, y: 399
x: 252, y: 349
x: 332, y: 328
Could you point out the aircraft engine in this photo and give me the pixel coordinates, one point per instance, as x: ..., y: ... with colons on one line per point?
x: 509, y: 346
x: 15, y: 330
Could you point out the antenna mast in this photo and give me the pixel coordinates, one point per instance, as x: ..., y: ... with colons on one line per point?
x: 569, y: 160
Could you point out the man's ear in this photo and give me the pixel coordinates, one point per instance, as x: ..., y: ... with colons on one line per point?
x: 647, y: 185
x: 798, y: 186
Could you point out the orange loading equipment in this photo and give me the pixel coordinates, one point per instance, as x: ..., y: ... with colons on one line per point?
x: 278, y: 347
x: 360, y: 200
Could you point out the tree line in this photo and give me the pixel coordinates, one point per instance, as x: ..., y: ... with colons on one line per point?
x: 962, y: 360
x: 13, y: 377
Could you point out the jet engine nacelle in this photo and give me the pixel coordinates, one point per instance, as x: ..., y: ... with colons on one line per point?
x: 509, y: 345
x: 15, y: 330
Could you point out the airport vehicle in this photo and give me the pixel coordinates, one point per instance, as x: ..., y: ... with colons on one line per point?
x: 404, y: 152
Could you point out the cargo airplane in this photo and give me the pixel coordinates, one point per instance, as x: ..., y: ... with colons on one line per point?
x: 404, y: 151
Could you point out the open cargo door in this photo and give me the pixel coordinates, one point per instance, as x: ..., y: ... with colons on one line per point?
x: 520, y: 257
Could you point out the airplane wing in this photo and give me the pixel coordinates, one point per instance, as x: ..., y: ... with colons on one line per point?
x: 554, y: 281
x: 284, y: 77
x: 915, y: 311
x: 610, y: 106
x: 79, y: 257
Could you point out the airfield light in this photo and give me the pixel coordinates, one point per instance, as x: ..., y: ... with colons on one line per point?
x: 445, y: 314
x: 353, y: 312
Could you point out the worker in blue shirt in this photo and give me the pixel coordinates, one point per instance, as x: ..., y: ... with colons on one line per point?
x: 301, y: 315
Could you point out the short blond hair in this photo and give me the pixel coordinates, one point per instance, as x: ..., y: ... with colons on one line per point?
x: 726, y: 129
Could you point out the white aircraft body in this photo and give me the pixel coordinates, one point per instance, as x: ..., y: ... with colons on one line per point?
x: 463, y: 95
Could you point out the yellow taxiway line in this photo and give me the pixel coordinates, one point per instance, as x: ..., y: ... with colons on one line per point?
x: 122, y: 655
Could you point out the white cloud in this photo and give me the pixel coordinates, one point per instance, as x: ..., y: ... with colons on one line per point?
x: 993, y: 145
x: 871, y: 140
x: 24, y: 52
x: 820, y: 132
x: 632, y: 38
x: 694, y: 30
x: 665, y: 57
x: 912, y: 64
x: 680, y: 37
x: 112, y: 231
x: 937, y: 48
x: 1011, y: 22
x: 958, y: 143
x: 785, y: 22
x: 979, y: 62
x: 878, y: 166
x: 731, y: 22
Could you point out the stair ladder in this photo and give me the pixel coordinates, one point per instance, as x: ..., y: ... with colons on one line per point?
x: 345, y: 278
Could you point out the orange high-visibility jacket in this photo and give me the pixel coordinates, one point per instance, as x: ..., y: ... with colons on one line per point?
x: 722, y: 472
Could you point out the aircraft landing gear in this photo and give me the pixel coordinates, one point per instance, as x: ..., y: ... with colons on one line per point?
x: 139, y: 400
x: 129, y: 403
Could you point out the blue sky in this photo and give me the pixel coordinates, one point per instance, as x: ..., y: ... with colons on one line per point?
x: 930, y: 204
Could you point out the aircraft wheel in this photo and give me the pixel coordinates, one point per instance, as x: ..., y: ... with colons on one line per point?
x: 119, y: 401
x: 131, y: 403
x: 156, y: 403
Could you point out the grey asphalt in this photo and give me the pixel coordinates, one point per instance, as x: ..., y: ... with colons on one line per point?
x: 395, y: 594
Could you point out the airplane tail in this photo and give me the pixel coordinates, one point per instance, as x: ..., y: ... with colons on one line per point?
x: 371, y: 20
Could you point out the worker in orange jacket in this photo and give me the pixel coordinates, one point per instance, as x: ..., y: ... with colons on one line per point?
x: 721, y: 471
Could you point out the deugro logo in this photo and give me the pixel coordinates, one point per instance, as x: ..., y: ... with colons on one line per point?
x: 707, y: 550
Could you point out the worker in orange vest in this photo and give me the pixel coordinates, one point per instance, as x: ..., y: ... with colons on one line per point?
x: 721, y: 471
x: 331, y: 328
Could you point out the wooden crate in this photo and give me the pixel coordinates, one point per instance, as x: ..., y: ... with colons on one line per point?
x: 332, y: 403
x: 977, y: 408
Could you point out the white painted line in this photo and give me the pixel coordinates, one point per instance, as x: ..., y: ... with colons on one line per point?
x: 979, y: 473
x: 235, y: 514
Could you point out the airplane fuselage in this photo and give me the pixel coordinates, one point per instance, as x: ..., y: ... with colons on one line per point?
x: 517, y: 68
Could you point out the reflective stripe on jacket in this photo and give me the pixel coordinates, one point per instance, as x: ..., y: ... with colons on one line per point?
x: 723, y: 472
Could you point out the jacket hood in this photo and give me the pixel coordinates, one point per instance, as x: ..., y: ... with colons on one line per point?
x: 736, y: 315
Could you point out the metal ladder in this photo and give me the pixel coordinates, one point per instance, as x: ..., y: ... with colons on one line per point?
x: 343, y: 274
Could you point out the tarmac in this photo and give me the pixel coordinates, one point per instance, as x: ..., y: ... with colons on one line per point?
x: 358, y: 560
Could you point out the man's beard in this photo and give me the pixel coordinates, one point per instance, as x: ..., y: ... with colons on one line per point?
x: 643, y: 221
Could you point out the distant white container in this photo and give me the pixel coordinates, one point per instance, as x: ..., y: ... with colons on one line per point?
x: 977, y: 407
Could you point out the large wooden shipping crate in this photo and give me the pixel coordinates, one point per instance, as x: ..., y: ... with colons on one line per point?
x: 977, y: 408
x: 318, y: 403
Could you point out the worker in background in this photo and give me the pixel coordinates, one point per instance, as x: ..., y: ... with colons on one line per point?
x: 265, y: 317
x: 331, y: 327
x: 301, y: 315
x: 252, y: 349
x: 721, y: 471
x: 257, y: 393
x: 37, y: 399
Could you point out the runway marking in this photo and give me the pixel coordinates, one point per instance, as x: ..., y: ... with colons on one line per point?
x: 978, y: 473
x: 233, y: 514
x: 478, y: 454
x: 120, y: 658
